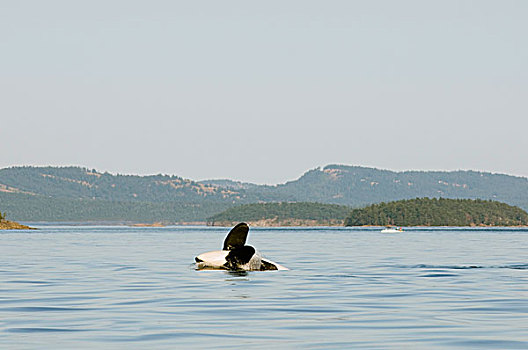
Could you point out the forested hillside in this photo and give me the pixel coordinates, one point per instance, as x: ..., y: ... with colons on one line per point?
x: 75, y: 183
x: 438, y: 212
x: 282, y: 214
x: 55, y: 193
x: 29, y: 208
x: 359, y: 186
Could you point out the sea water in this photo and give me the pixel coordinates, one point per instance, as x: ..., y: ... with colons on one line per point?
x: 136, y: 288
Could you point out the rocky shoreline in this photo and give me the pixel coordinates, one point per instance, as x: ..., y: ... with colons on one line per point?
x: 11, y: 225
x: 281, y: 223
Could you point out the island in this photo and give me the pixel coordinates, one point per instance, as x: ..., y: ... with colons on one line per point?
x: 438, y: 212
x: 282, y: 214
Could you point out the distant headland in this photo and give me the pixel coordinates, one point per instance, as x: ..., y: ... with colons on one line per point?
x: 11, y: 225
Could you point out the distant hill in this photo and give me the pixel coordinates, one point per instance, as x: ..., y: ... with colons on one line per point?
x: 225, y: 183
x: 77, y: 183
x: 282, y: 214
x: 31, y: 208
x: 359, y: 186
x: 439, y: 212
x: 81, y: 194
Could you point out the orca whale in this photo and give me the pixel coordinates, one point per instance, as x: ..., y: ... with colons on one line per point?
x: 236, y: 255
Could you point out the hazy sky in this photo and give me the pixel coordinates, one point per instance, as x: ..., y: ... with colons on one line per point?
x: 262, y: 91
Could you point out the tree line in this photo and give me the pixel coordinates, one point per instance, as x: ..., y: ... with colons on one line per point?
x: 438, y: 212
x: 282, y: 211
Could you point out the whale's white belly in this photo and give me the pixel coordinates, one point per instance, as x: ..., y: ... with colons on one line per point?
x: 215, y: 259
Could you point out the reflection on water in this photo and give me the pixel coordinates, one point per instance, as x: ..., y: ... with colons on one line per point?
x: 137, y: 288
x: 237, y: 273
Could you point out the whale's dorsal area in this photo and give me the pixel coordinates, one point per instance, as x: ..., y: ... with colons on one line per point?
x: 237, y: 237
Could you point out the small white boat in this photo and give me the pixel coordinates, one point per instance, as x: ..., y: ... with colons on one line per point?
x: 392, y: 230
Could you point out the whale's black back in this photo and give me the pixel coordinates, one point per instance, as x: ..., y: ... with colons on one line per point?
x: 236, y: 238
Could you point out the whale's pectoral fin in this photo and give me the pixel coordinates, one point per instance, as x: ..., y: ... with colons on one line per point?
x: 267, y: 265
x: 236, y: 238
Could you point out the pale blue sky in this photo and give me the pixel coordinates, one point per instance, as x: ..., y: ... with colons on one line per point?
x: 262, y: 91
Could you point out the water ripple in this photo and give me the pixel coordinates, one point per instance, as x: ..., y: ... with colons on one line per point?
x: 460, y: 267
x: 44, y: 309
x: 116, y: 287
x: 43, y: 330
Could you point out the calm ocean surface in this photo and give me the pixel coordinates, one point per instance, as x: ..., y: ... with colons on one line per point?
x: 136, y: 288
